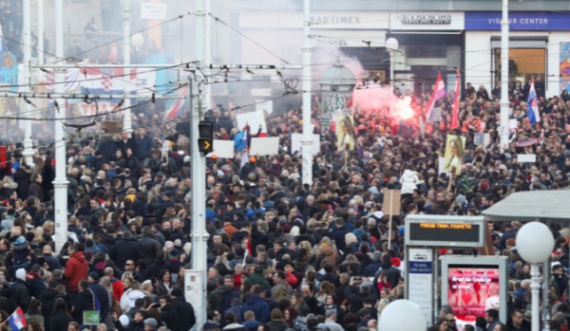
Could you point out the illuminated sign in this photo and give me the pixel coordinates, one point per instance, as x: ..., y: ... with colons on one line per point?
x: 426, y: 19
x: 444, y: 231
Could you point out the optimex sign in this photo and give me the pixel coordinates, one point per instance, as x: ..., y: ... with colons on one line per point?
x: 426, y: 19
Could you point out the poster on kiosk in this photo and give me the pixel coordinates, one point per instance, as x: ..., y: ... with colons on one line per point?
x: 473, y: 285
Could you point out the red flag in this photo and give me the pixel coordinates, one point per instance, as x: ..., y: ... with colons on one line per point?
x: 455, y: 113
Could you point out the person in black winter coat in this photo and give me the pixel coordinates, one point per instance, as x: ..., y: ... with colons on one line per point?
x: 34, y: 282
x: 48, y: 298
x: 22, y: 177
x: 139, y: 205
x: 391, y: 273
x: 19, y: 291
x: 168, y: 314
x: 257, y: 305
x: 356, y: 296
x: 148, y: 246
x: 126, y: 249
x: 101, y: 293
x: 107, y: 147
x: 183, y: 309
x: 83, y: 302
x: 59, y: 318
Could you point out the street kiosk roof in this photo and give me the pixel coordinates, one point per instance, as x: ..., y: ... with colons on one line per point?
x: 554, y: 205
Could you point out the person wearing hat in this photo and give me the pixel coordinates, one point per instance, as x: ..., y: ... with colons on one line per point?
x: 174, y: 259
x: 101, y: 293
x: 150, y: 324
x: 183, y: 308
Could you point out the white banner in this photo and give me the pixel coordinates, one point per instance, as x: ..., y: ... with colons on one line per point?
x: 223, y: 149
x: 254, y: 120
x: 296, y: 143
x: 153, y: 11
x: 264, y: 146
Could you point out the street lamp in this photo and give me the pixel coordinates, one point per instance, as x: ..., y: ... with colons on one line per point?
x: 392, y: 46
x: 402, y: 315
x: 534, y: 244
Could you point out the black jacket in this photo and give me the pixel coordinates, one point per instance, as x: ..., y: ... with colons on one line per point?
x: 59, y: 321
x: 20, y: 295
x: 103, y: 297
x: 169, y: 316
x: 148, y: 248
x: 186, y: 311
x: 47, y: 298
x: 84, y: 301
x: 126, y: 250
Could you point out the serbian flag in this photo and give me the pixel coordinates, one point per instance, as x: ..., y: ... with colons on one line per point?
x: 17, y: 320
x: 455, y: 113
x: 438, y: 93
x: 532, y: 111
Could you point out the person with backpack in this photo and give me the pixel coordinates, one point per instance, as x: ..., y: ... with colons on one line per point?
x: 21, y: 255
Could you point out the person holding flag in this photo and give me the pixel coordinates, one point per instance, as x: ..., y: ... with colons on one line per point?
x: 455, y: 110
x: 532, y: 111
x: 17, y: 320
x: 438, y: 93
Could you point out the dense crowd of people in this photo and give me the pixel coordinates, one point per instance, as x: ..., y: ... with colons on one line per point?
x: 281, y: 255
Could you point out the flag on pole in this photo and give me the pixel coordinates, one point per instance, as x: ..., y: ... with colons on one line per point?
x: 17, y: 320
x: 245, y: 155
x: 455, y: 113
x: 438, y: 93
x: 175, y: 107
x: 532, y: 112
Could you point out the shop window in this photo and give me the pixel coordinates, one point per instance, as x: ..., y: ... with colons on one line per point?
x: 426, y: 52
x: 524, y: 64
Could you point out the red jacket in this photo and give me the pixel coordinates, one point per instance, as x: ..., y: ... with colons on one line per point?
x: 75, y: 270
x: 118, y: 288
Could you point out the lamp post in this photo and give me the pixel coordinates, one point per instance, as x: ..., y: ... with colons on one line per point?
x: 402, y: 315
x: 392, y: 46
x: 535, y: 244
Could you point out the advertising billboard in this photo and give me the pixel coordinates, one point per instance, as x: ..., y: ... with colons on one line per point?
x: 472, y: 285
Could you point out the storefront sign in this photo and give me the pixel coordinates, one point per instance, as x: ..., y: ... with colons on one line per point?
x: 426, y: 19
x: 519, y: 21
x: 319, y: 20
x: 336, y: 19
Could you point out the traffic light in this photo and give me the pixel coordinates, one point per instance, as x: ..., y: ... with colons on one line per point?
x: 206, y: 137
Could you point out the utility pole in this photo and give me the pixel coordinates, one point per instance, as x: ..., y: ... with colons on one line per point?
x: 28, y: 152
x: 307, y: 140
x: 40, y: 32
x: 207, y: 52
x: 198, y: 174
x: 504, y: 127
x: 60, y: 182
x: 127, y: 126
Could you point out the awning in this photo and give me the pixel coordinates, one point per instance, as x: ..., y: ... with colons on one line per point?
x: 553, y: 205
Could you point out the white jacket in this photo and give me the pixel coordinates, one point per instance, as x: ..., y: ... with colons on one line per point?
x: 409, y: 180
x: 128, y: 299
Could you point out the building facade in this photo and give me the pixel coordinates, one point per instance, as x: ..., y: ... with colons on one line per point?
x: 435, y: 37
